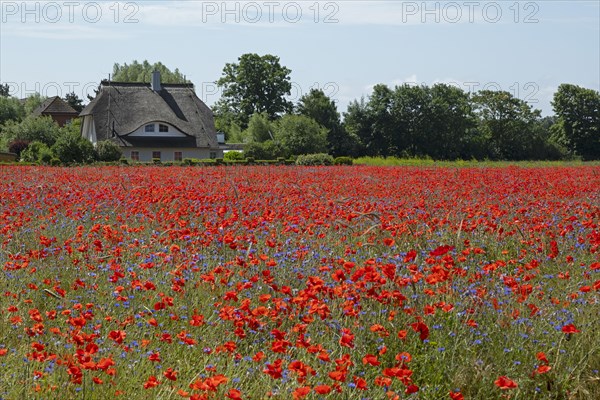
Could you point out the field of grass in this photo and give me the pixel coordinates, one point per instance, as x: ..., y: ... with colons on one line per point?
x: 428, y: 162
x: 288, y: 282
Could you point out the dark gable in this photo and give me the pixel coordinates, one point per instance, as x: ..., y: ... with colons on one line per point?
x: 54, y: 105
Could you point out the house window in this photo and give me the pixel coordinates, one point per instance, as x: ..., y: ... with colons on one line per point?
x: 156, y: 154
x: 163, y: 128
x: 178, y: 156
x: 149, y: 128
x: 213, y: 154
x: 135, y: 155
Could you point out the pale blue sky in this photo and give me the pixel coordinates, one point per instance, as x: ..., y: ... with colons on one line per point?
x: 344, y: 47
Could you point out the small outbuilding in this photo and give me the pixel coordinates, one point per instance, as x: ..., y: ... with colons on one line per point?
x: 58, y: 109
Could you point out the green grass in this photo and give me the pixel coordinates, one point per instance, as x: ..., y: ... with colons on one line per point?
x: 427, y: 162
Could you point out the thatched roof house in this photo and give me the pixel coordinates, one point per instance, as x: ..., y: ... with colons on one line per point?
x: 152, y: 120
x: 57, y: 108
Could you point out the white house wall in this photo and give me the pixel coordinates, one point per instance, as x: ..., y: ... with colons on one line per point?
x: 88, y: 129
x: 168, y: 154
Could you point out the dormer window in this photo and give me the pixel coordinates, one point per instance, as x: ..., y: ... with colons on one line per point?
x: 149, y: 128
x: 163, y: 128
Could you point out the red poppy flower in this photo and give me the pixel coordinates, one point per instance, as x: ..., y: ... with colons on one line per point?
x: 151, y: 382
x: 456, y: 396
x: 322, y: 389
x: 234, y: 394
x: 570, y: 328
x: 301, y: 392
x: 170, y: 374
x: 505, y: 383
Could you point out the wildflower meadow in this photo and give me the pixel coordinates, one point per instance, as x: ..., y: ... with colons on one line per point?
x: 286, y: 282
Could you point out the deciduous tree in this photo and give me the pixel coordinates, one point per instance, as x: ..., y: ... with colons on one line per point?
x: 578, y: 112
x: 255, y: 84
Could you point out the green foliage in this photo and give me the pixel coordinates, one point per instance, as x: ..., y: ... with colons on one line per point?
x: 259, y: 129
x: 342, y: 161
x: 42, y: 129
x: 452, y: 126
x: 508, y: 124
x: 32, y: 102
x: 300, y: 135
x: 255, y: 84
x: 385, y: 136
x: 445, y: 123
x: 236, y: 162
x: 4, y: 90
x: 318, y: 106
x: 314, y: 159
x: 268, y: 150
x: 11, y: 109
x: 36, y: 152
x: 578, y: 112
x: 428, y: 162
x: 225, y: 122
x: 233, y: 155
x: 74, y: 101
x: 357, y: 123
x: 413, y: 121
x: 108, y: 151
x: 71, y: 147
x: 142, y: 72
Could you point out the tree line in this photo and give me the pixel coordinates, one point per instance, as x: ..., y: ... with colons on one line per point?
x: 441, y: 121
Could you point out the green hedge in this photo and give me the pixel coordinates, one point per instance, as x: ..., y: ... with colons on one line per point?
x: 342, y: 161
x: 189, y: 162
x: 315, y: 159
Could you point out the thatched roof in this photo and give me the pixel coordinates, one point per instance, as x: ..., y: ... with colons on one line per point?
x: 120, y: 108
x: 54, y: 105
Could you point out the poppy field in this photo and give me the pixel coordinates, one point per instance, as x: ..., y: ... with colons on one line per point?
x: 293, y: 282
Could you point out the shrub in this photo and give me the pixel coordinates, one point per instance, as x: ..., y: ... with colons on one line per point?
x: 268, y: 150
x: 236, y: 162
x: 315, y: 159
x: 17, y: 146
x: 233, y: 155
x: 71, y: 147
x: 342, y: 161
x: 40, y: 129
x: 299, y: 134
x: 36, y: 152
x: 108, y: 151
